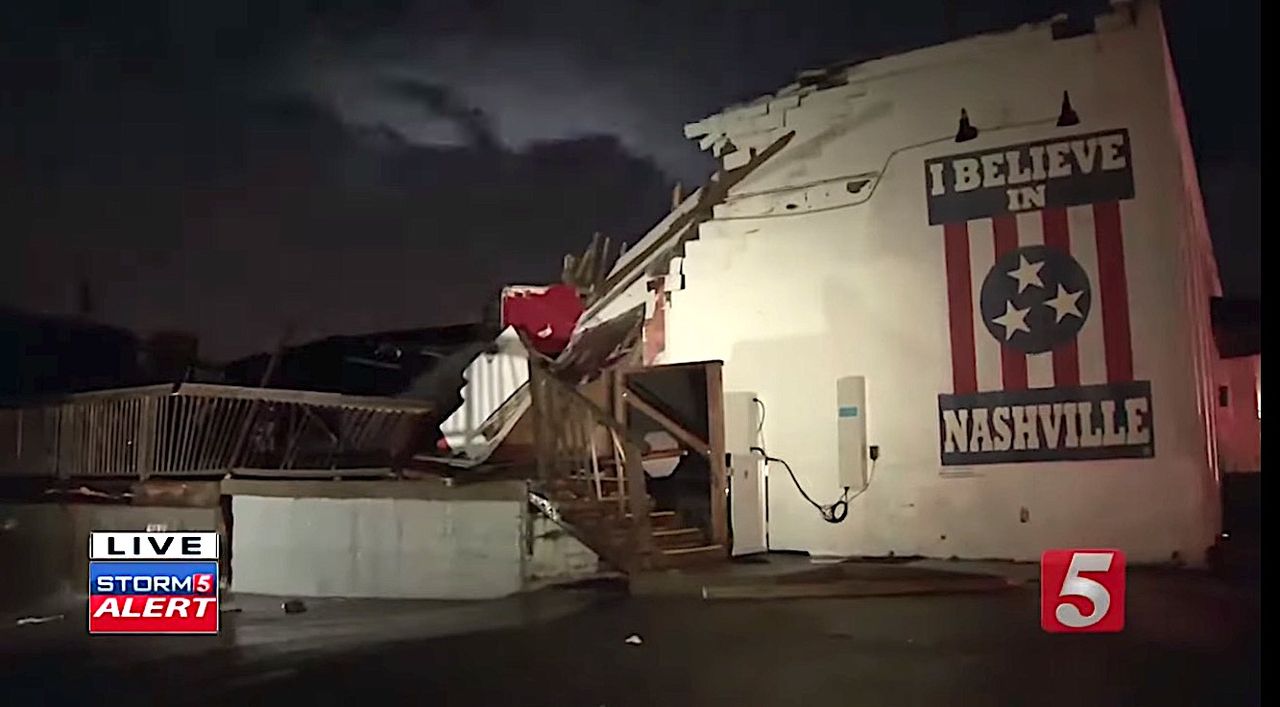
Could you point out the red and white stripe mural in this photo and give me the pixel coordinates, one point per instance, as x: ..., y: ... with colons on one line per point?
x: 1092, y: 236
x: 1038, y: 303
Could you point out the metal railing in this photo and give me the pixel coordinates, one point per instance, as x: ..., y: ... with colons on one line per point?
x: 198, y: 429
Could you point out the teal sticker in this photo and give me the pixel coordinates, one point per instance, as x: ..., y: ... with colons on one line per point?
x: 848, y: 411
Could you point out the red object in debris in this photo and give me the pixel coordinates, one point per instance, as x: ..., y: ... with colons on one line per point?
x: 547, y: 315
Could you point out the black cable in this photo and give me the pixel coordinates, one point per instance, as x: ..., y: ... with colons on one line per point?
x: 834, y: 513
x: 760, y: 427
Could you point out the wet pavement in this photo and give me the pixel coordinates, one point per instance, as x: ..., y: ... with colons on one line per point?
x: 1189, y: 639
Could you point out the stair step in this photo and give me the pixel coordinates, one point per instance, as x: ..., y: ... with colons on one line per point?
x: 606, y: 505
x: 572, y: 504
x: 651, y: 455
x: 685, y: 556
x: 587, y: 486
x: 662, y: 520
x: 608, y: 483
x: 584, y: 496
x: 658, y: 520
x: 675, y: 538
x: 588, y: 478
x: 663, y: 538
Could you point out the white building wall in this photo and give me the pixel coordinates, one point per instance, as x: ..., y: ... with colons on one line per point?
x: 839, y: 284
x: 1240, y: 420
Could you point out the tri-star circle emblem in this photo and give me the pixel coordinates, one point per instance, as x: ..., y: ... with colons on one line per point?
x: 1035, y: 298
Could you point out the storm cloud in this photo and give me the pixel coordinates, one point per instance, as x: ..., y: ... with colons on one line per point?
x: 236, y: 167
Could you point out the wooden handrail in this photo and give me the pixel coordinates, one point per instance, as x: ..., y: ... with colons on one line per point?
x: 305, y: 397
x: 564, y: 421
x: 193, y: 430
x: 597, y: 415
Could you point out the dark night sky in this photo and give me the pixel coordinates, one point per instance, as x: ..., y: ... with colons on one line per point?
x: 229, y: 167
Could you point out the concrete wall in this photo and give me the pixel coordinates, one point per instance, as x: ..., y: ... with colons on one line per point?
x: 44, y: 547
x: 349, y: 539
x: 376, y: 547
x: 556, y: 556
x: 805, y: 276
x: 394, y: 540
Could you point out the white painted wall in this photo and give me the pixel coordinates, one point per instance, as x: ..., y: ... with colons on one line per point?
x: 796, y: 299
x: 398, y: 548
x: 376, y: 547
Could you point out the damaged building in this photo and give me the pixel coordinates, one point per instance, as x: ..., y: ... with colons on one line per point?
x: 948, y: 303
x: 967, y: 293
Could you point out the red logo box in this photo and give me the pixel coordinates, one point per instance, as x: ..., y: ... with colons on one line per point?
x: 1082, y: 591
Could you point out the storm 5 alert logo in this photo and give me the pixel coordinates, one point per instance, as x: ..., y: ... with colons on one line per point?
x: 153, y: 583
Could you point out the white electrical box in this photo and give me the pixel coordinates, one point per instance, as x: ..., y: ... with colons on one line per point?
x: 746, y: 473
x: 851, y: 431
x: 741, y: 422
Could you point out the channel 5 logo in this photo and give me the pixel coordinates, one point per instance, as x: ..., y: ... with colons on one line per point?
x: 1082, y: 591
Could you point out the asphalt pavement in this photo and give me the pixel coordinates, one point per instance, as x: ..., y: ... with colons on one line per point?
x: 1189, y: 639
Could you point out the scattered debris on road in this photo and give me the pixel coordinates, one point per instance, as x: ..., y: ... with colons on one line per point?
x: 31, y: 620
x: 634, y: 639
x: 86, y: 492
x: 294, y: 606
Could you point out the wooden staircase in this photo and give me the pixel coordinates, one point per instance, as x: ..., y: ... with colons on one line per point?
x: 606, y: 526
x: 591, y: 481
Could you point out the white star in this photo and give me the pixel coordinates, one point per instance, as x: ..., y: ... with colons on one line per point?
x: 1012, y: 320
x: 1065, y: 303
x: 1027, y: 274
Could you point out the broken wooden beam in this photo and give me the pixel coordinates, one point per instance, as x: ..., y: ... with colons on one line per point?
x: 670, y: 425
